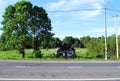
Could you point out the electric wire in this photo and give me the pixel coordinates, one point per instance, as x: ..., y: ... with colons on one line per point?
x: 113, y: 10
x: 109, y: 9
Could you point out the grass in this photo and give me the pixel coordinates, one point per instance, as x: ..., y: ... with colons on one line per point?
x: 82, y: 54
x: 9, y: 55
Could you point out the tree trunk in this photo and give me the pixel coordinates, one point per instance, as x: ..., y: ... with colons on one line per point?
x: 23, y: 52
x: 36, y: 46
x: 23, y: 55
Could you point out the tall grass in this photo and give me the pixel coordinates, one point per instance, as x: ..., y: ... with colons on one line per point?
x: 82, y: 54
x: 9, y: 55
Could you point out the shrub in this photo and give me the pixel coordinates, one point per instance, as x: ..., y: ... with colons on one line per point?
x: 38, y: 54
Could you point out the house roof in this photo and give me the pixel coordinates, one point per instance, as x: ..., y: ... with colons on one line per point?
x: 65, y: 47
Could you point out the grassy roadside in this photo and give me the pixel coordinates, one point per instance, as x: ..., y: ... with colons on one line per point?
x: 82, y: 54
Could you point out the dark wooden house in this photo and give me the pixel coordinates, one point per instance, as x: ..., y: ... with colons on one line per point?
x: 66, y: 51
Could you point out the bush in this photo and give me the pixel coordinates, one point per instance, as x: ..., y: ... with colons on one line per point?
x: 38, y: 54
x: 99, y: 56
x: 58, y: 55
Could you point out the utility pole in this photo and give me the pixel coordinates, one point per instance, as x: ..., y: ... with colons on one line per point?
x: 116, y: 28
x: 105, y: 24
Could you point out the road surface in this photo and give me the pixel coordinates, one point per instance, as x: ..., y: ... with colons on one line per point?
x: 59, y: 71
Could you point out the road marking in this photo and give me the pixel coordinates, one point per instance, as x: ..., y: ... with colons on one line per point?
x: 95, y: 79
x: 22, y: 66
x: 74, y: 67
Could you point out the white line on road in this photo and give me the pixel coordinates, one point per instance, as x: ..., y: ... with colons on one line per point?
x: 22, y: 66
x: 95, y: 79
x: 74, y: 67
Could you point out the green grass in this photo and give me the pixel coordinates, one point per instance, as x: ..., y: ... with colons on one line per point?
x: 14, y: 54
x: 82, y: 54
x: 9, y: 55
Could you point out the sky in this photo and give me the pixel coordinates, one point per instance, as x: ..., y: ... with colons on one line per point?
x: 76, y: 18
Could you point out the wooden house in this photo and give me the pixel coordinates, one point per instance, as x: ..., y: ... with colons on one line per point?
x: 66, y: 51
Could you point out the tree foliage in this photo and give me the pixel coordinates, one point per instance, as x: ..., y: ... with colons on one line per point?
x: 51, y: 43
x: 15, y: 25
x: 68, y: 40
x: 85, y: 40
x: 21, y: 21
x: 78, y: 43
x: 74, y: 42
x: 96, y: 45
x: 41, y: 26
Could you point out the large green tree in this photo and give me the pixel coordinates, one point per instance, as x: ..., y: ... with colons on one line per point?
x: 15, y: 24
x: 40, y: 26
x: 23, y: 20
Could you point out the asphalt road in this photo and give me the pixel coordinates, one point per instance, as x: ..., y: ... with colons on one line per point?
x: 59, y: 71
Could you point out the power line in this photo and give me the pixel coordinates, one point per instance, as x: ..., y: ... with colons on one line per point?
x: 81, y: 10
x: 113, y: 10
x: 71, y: 10
x: 108, y: 9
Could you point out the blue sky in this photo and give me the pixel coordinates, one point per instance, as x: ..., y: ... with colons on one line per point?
x: 76, y: 23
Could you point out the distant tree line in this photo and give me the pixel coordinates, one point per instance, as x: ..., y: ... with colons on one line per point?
x: 48, y: 43
x: 94, y: 45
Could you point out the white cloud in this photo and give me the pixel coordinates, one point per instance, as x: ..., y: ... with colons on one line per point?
x: 55, y: 5
x: 71, y: 4
x: 87, y: 14
x: 69, y: 22
x: 63, y: 23
x: 99, y: 30
x: 77, y: 5
x: 102, y: 30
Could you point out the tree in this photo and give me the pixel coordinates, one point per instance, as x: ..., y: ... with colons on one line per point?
x: 15, y: 24
x: 51, y: 43
x: 58, y: 42
x: 111, y: 45
x: 3, y: 45
x: 55, y: 42
x: 77, y: 43
x: 85, y: 41
x: 68, y: 40
x: 40, y: 26
x: 22, y: 21
x: 28, y: 42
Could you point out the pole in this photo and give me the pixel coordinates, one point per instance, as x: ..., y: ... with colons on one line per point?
x: 105, y: 24
x: 116, y: 28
